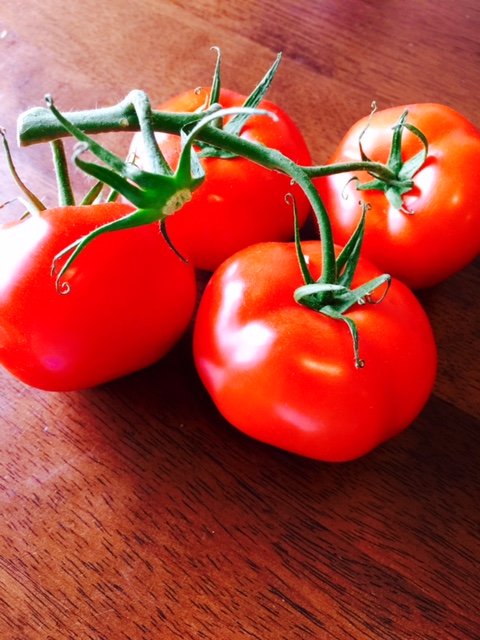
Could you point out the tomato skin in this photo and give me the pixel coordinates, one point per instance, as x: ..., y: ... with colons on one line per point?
x: 131, y: 299
x: 285, y: 374
x: 240, y: 202
x: 442, y: 236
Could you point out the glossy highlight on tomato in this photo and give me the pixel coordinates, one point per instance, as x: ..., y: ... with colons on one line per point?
x: 131, y: 298
x: 438, y: 233
x: 240, y: 202
x: 286, y: 375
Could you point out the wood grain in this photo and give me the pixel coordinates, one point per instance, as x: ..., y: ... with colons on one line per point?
x: 133, y: 510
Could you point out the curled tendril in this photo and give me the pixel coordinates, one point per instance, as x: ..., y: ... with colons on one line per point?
x: 408, y: 212
x: 80, y: 148
x: 131, y: 157
x: 368, y: 298
x: 199, y: 91
x: 63, y: 288
x: 344, y: 190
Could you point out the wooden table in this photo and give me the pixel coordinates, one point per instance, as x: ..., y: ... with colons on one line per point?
x: 133, y: 510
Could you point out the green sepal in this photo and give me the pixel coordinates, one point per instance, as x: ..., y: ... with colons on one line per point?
x: 334, y: 299
x: 347, y: 261
x: 410, y: 167
x: 236, y: 124
x: 196, y: 169
x: 94, y: 194
x: 307, y: 276
x: 156, y: 196
x: 113, y: 196
x: 216, y: 82
x: 393, y: 192
x: 395, y: 159
x: 332, y: 312
x: 29, y: 199
x: 394, y: 189
x: 166, y: 237
x: 340, y: 300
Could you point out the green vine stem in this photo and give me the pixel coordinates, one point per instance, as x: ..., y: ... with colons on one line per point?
x: 382, y: 171
x: 39, y: 125
x: 65, y: 191
x: 331, y: 294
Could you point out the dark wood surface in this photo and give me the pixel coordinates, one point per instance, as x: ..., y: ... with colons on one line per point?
x: 133, y: 511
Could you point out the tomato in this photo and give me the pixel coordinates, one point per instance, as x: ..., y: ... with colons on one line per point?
x: 130, y: 299
x: 285, y: 374
x: 240, y: 202
x: 439, y: 233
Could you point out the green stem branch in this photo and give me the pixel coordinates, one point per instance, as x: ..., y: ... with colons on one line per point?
x: 39, y: 125
x: 377, y: 169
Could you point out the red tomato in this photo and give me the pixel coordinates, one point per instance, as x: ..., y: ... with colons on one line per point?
x: 285, y: 374
x: 441, y: 235
x: 240, y: 202
x: 131, y: 299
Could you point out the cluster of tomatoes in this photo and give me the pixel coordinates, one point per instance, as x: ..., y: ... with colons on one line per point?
x: 277, y: 370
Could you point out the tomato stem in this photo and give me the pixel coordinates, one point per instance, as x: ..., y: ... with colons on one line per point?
x: 65, y: 191
x: 159, y: 192
x: 331, y: 294
x: 381, y: 171
x: 38, y: 125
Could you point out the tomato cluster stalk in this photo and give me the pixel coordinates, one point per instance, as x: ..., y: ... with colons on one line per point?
x: 159, y: 192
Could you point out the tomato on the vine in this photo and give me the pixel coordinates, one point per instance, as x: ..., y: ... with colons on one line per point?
x: 437, y: 230
x: 240, y: 202
x: 131, y: 298
x: 286, y: 375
